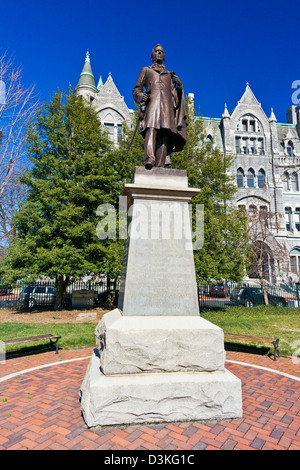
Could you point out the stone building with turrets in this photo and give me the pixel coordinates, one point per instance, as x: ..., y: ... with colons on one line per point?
x: 267, y: 171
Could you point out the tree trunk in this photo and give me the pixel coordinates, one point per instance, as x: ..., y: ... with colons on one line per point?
x: 61, y: 287
x: 109, y: 303
x: 263, y: 287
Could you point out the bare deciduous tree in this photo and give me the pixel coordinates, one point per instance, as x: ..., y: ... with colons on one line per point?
x: 17, y: 106
x: 266, y: 250
x: 11, y: 200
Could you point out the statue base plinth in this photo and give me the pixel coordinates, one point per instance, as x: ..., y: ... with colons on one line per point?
x: 152, y: 398
x: 158, y: 369
x: 157, y: 360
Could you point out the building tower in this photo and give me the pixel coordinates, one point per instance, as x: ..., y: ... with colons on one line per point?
x: 86, y: 85
x: 106, y: 99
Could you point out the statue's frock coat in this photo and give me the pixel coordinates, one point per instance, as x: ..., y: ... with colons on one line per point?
x: 160, y: 109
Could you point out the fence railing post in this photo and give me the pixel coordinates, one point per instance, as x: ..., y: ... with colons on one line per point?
x: 297, y: 291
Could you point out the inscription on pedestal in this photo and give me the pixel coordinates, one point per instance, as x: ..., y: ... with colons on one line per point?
x: 160, y: 275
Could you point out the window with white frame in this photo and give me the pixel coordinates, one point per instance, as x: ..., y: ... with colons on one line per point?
x: 294, y: 182
x: 297, y: 219
x: 295, y: 260
x: 110, y: 128
x: 238, y: 145
x: 240, y: 178
x: 286, y: 181
x: 288, y: 219
x: 250, y: 178
x: 261, y: 178
x: 290, y: 148
x: 119, y: 132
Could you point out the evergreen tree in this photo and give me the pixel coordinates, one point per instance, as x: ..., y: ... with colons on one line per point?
x: 69, y: 178
x: 122, y: 161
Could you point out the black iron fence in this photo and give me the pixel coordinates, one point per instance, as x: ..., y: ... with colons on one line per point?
x: 43, y: 294
x: 90, y: 294
x: 230, y: 294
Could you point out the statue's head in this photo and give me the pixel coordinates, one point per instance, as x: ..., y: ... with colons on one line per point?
x: 158, y: 54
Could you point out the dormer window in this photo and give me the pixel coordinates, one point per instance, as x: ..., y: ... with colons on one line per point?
x: 290, y: 148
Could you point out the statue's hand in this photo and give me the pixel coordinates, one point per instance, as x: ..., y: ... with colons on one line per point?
x: 176, y: 80
x: 145, y: 98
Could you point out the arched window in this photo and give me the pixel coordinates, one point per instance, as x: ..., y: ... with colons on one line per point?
x: 249, y: 123
x: 288, y: 219
x: 295, y: 259
x: 294, y: 182
x: 286, y: 181
x: 290, y: 148
x: 250, y: 178
x: 240, y: 178
x: 261, y: 178
x: 209, y: 139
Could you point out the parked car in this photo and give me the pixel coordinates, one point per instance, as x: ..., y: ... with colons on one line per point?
x: 203, y: 289
x: 5, y: 290
x: 40, y: 295
x: 250, y: 296
x: 218, y: 290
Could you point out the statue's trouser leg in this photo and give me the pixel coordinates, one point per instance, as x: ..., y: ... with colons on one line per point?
x: 162, y: 148
x: 150, y: 146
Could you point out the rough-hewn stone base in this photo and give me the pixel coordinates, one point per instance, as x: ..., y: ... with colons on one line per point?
x: 133, y: 344
x: 142, y: 398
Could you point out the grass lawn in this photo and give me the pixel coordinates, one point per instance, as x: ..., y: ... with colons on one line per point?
x: 266, y: 321
x: 277, y: 322
x: 72, y: 335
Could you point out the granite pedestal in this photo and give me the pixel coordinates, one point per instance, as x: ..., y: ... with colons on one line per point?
x: 156, y: 359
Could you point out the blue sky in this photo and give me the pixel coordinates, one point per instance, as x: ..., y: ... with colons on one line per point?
x: 215, y: 47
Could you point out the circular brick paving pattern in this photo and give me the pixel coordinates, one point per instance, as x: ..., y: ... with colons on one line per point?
x: 40, y: 409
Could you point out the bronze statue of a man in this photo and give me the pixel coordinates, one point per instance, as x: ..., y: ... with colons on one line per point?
x: 164, y: 120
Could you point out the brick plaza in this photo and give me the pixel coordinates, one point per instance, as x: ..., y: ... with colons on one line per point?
x: 40, y: 409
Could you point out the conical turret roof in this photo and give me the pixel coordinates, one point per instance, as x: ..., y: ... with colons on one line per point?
x: 87, y: 76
